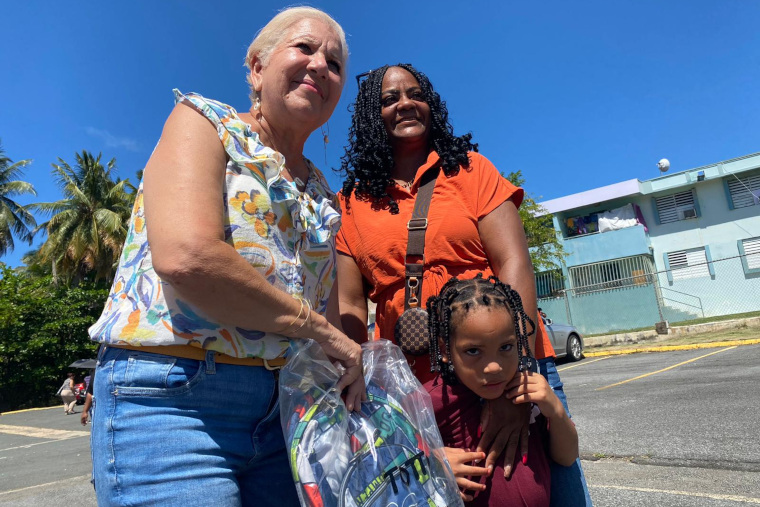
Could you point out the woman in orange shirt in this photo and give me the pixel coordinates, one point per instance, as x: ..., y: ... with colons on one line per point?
x: 399, y: 131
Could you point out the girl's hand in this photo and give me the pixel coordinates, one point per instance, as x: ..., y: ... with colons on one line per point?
x: 530, y: 387
x: 533, y: 388
x: 458, y: 459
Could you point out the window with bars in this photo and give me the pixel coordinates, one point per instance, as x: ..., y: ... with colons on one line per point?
x: 743, y: 191
x: 749, y: 249
x: 692, y: 263
x: 549, y: 283
x: 607, y: 275
x: 675, y: 207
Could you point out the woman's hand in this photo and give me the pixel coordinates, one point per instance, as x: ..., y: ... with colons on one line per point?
x: 458, y: 459
x: 504, y: 424
x: 529, y: 387
x: 348, y: 353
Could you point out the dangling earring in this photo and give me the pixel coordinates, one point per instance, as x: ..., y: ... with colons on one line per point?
x: 325, y: 138
x: 256, y: 102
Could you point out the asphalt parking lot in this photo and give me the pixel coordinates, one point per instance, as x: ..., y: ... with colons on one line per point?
x: 670, y: 429
x: 667, y: 429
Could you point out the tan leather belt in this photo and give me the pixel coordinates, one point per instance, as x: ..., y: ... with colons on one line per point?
x: 199, y: 354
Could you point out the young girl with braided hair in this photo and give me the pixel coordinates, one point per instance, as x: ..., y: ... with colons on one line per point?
x: 479, y: 348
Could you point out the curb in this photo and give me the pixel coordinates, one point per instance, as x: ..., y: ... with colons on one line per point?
x: 632, y: 337
x: 668, y: 348
x: 27, y: 410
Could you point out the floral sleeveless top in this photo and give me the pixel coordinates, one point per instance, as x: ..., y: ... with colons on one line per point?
x: 286, y: 234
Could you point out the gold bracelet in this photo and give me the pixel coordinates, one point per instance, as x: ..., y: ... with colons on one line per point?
x: 308, y: 315
x: 300, y: 311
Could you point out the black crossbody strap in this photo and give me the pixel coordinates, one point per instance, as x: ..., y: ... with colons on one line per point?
x: 415, y: 247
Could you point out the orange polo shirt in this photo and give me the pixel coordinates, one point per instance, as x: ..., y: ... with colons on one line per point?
x: 376, y: 240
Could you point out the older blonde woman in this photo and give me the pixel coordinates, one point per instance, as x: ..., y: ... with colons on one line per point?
x: 230, y: 256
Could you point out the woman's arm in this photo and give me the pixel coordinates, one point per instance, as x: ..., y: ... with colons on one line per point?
x: 353, y: 300
x: 184, y: 212
x: 503, y: 238
x: 85, y: 409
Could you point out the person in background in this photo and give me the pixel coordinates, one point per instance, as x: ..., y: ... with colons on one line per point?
x: 66, y: 391
x: 88, y: 401
x: 229, y: 258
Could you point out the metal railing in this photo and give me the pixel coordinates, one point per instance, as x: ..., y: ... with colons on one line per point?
x: 671, y: 300
x: 645, y: 296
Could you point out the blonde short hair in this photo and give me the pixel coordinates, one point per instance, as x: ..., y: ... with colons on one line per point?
x: 270, y: 36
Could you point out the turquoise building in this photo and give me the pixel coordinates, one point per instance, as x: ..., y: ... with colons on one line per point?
x: 678, y: 247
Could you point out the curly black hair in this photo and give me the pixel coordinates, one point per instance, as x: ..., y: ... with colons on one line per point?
x: 368, y: 158
x: 457, y: 298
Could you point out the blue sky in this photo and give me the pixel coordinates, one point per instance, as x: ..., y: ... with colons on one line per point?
x: 575, y: 94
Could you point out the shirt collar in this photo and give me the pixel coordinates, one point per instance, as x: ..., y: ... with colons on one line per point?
x: 432, y: 160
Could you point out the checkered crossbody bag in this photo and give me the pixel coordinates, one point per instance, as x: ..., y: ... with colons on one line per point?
x: 411, y: 331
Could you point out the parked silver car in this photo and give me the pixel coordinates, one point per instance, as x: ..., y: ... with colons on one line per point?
x: 566, y: 340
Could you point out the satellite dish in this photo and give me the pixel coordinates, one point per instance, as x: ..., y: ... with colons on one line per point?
x: 663, y: 165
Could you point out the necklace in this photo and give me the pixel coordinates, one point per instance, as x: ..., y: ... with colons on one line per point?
x: 298, y: 182
x: 406, y: 185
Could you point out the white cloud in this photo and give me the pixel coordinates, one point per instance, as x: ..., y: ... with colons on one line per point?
x: 113, y: 141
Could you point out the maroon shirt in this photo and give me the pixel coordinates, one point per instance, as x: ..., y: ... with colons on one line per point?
x: 457, y: 412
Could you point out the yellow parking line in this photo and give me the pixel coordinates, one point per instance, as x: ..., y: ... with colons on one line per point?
x: 31, y: 431
x: 583, y: 363
x: 671, y: 348
x: 62, y: 481
x: 29, y: 410
x: 730, y: 498
x: 665, y: 369
x: 28, y: 446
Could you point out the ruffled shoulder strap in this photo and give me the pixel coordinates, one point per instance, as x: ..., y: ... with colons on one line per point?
x: 234, y: 133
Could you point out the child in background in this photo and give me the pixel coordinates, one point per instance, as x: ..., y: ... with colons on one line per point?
x: 479, y: 340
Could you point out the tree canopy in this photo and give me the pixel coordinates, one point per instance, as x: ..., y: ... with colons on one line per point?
x: 43, y: 328
x: 88, y: 226
x: 546, y: 250
x: 14, y: 218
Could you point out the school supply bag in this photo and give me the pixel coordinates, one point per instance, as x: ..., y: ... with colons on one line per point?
x: 388, y: 454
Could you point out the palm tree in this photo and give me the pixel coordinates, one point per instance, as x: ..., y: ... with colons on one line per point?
x: 14, y: 218
x: 88, y: 227
x: 34, y: 266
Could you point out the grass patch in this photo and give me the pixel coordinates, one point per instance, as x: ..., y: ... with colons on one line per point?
x: 692, y: 322
x: 622, y: 331
x: 744, y: 333
x: 716, y: 319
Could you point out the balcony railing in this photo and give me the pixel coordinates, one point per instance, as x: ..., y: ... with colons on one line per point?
x: 598, y: 247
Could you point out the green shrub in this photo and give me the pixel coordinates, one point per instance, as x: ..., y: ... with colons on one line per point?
x: 43, y: 329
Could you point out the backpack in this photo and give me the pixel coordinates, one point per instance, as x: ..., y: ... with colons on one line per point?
x: 388, y: 454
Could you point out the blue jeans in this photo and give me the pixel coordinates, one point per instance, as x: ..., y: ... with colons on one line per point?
x: 569, y: 487
x: 180, y: 432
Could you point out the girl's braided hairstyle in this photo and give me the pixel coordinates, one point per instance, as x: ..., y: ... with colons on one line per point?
x: 368, y: 159
x: 455, y: 300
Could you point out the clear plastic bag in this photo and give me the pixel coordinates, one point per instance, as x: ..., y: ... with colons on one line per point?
x: 389, y: 454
